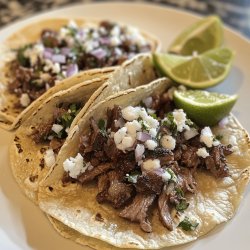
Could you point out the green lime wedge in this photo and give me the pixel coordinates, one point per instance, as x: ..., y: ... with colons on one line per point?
x: 197, y: 71
x: 202, y: 36
x: 204, y: 108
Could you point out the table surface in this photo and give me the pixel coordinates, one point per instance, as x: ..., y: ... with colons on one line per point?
x: 235, y: 13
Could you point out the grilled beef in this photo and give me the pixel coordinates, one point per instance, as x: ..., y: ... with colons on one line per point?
x: 113, y: 190
x: 90, y: 175
x: 149, y: 183
x: 216, y: 161
x: 164, y: 210
x: 137, y: 211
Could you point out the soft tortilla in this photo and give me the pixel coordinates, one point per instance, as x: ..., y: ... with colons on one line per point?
x: 25, y: 162
x: 76, y: 206
x: 10, y: 118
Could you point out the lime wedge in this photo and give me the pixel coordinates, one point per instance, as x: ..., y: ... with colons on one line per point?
x: 203, y: 35
x: 197, y: 71
x: 204, y: 108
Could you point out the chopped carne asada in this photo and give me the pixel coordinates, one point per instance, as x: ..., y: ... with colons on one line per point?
x: 61, y: 54
x: 140, y: 159
x: 56, y: 131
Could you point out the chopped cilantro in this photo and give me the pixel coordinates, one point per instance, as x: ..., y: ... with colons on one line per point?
x: 170, y: 123
x: 188, y: 225
x: 218, y: 137
x: 182, y: 205
x: 179, y: 192
x: 22, y: 59
x: 191, y: 124
x: 72, y: 31
x: 132, y: 177
x: 154, y: 116
x: 144, y: 125
x: 102, y: 127
x: 172, y: 174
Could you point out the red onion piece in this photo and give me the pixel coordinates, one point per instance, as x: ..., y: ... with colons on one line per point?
x: 141, y: 136
x: 65, y: 51
x: 98, y: 53
x: 223, y: 122
x: 47, y: 54
x: 139, y: 150
x: 104, y: 40
x: 148, y: 101
x: 72, y: 69
x: 58, y: 58
x: 82, y: 34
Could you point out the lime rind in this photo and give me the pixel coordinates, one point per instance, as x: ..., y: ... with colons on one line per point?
x: 208, y: 113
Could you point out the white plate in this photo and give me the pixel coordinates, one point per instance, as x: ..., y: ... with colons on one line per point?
x: 23, y: 226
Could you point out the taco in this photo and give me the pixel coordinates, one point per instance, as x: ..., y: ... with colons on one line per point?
x: 137, y: 173
x: 46, y: 53
x: 40, y: 137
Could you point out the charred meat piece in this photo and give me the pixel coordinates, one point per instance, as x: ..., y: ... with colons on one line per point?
x: 164, y: 210
x: 216, y: 161
x: 56, y: 144
x: 149, y: 183
x: 90, y: 175
x: 111, y: 150
x: 97, y: 139
x: 138, y: 209
x: 114, y: 114
x: 189, y: 157
x: 165, y: 156
x: 49, y: 38
x: 41, y: 133
x: 186, y: 180
x: 113, y: 190
x: 118, y: 192
x: 103, y: 185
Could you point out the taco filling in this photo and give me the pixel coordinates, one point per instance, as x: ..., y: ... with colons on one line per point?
x: 61, y: 54
x: 144, y: 155
x: 56, y: 131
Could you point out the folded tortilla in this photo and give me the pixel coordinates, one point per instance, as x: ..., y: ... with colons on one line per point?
x: 10, y: 118
x: 26, y: 156
x: 215, y: 202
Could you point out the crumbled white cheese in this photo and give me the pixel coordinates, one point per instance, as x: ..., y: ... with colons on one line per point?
x: 207, y: 137
x: 119, y: 135
x: 115, y: 31
x: 168, y: 142
x: 153, y: 123
x: 202, y: 152
x: 150, y: 144
x: 150, y: 164
x: 190, y: 133
x: 153, y: 132
x: 216, y: 142
x: 49, y: 65
x: 127, y: 142
x: 57, y: 128
x: 130, y: 113
x: 133, y: 127
x: 49, y: 157
x: 166, y: 176
x: 25, y: 100
x: 74, y: 166
x: 180, y: 119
